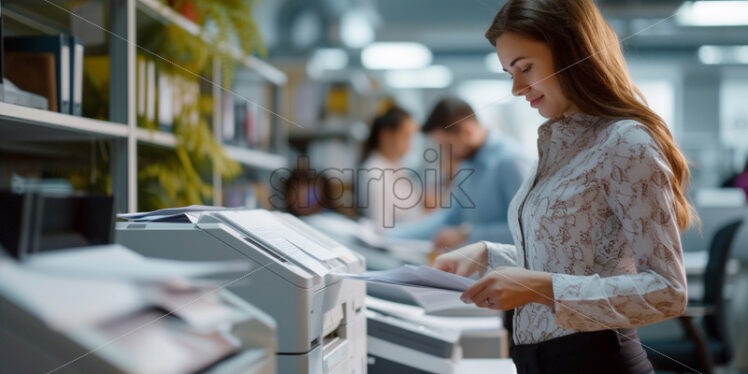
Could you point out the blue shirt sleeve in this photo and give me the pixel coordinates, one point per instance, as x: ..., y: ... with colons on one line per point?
x: 426, y: 228
x: 510, y: 174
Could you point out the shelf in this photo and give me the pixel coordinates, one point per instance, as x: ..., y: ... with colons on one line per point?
x: 29, y: 124
x: 245, y: 156
x: 256, y: 159
x: 351, y: 130
x: 156, y: 137
x: 165, y: 14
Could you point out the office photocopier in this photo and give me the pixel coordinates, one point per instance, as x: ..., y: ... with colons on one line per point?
x: 102, y: 308
x: 321, y: 318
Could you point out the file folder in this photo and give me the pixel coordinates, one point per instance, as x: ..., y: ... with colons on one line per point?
x: 59, y: 46
x: 76, y: 76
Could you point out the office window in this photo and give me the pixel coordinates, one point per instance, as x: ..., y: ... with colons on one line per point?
x: 733, y: 113
x: 660, y: 95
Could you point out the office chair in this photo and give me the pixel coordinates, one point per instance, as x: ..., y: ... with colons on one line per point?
x: 709, y: 343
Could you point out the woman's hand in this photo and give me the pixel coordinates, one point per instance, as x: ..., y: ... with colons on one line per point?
x: 449, y: 238
x: 506, y: 288
x: 464, y: 261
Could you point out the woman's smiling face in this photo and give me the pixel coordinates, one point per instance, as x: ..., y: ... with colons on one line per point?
x: 530, y: 64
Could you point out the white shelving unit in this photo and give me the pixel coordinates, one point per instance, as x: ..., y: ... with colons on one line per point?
x: 19, y: 123
x: 256, y: 159
x: 22, y: 123
x: 158, y: 138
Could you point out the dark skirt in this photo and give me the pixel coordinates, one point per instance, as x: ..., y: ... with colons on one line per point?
x: 608, y: 351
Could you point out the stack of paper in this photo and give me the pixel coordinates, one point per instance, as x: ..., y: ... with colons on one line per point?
x: 415, y: 276
x: 188, y: 214
x: 433, y: 289
x: 487, y: 322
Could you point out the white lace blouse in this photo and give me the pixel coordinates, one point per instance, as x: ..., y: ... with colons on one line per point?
x: 600, y: 218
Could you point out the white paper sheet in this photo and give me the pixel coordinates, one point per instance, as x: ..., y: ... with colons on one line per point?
x: 200, y: 308
x: 434, y: 300
x: 118, y: 263
x: 150, y: 344
x: 268, y: 227
x: 188, y: 214
x: 433, y: 289
x: 68, y: 302
x: 415, y: 276
x: 333, y: 248
x: 487, y: 322
x: 171, y: 211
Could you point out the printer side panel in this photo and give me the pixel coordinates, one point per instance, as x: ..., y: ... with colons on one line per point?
x: 175, y: 241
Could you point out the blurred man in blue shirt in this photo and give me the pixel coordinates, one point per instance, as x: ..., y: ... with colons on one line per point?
x: 491, y: 171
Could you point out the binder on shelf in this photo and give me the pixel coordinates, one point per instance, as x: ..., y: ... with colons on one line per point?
x: 240, y: 130
x: 179, y: 88
x: 228, y: 119
x: 76, y: 76
x: 150, y: 109
x: 141, y: 87
x: 165, y: 101
x: 250, y: 124
x: 32, y: 72
x: 57, y: 45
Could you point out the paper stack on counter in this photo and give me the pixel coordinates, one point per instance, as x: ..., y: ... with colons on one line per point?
x: 433, y: 289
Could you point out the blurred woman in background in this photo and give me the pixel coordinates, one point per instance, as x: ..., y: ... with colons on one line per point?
x: 386, y: 192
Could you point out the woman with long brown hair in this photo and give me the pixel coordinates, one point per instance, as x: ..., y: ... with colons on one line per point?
x: 596, y: 225
x: 383, y: 184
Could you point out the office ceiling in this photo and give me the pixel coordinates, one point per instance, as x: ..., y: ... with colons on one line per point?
x: 455, y: 27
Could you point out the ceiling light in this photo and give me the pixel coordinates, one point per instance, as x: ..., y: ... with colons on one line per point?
x: 720, y: 54
x: 713, y: 13
x: 326, y: 59
x: 435, y: 76
x: 392, y: 55
x: 356, y: 30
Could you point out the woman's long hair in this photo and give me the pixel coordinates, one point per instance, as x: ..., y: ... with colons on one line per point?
x: 592, y: 72
x: 392, y: 119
